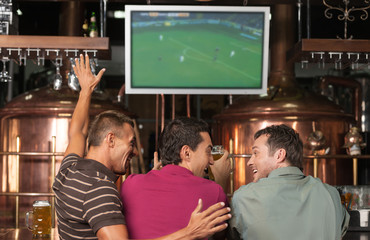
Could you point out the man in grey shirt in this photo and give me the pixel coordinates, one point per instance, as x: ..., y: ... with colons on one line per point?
x: 282, y: 203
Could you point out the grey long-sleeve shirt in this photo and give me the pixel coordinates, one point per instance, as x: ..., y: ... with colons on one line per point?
x: 288, y: 205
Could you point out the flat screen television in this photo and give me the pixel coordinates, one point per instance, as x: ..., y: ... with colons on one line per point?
x: 196, y: 49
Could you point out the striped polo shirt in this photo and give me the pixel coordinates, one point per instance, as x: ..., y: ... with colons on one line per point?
x: 86, y: 198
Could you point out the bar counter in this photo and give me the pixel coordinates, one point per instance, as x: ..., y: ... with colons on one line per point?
x: 356, y: 235
x: 25, y: 234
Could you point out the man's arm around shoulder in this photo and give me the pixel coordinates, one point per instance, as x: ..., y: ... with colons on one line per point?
x: 201, y: 225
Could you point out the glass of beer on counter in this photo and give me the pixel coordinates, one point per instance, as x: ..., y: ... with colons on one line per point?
x: 217, y: 153
x: 39, y: 219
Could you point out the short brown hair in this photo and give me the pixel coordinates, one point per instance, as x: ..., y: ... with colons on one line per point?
x: 104, y: 122
x: 282, y: 136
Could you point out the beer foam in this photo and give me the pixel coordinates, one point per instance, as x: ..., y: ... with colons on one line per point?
x: 41, y: 203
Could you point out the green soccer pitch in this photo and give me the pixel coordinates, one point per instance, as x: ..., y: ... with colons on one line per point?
x: 196, y: 56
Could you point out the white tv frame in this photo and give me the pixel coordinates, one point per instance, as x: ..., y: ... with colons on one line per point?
x: 201, y: 91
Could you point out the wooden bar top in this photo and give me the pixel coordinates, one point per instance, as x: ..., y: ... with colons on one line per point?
x: 25, y: 234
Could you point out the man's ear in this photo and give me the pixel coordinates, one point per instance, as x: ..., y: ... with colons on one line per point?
x: 110, y: 139
x: 185, y: 153
x: 280, y: 155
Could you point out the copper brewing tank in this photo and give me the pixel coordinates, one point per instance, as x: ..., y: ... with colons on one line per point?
x: 288, y: 104
x: 40, y: 119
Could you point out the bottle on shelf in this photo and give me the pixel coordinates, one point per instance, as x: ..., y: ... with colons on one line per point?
x: 93, y: 28
x: 85, y: 28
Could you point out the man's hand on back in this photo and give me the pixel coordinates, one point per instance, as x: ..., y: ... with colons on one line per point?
x: 210, y: 221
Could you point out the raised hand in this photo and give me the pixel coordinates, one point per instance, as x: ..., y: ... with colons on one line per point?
x: 78, y: 127
x: 87, y: 80
x: 221, y: 169
x: 157, y: 164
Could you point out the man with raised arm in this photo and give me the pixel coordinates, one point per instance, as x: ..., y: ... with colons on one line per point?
x: 87, y: 201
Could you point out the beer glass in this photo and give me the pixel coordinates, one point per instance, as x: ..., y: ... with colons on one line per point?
x: 72, y: 78
x: 4, y: 74
x: 41, y: 219
x: 58, y: 80
x: 217, y: 153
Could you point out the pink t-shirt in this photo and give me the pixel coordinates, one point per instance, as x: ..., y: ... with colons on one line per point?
x: 161, y: 202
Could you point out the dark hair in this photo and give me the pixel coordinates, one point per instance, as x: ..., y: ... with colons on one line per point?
x: 282, y: 136
x: 177, y: 133
x: 103, y: 123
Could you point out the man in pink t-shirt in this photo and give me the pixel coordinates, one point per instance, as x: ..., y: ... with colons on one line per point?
x: 162, y: 201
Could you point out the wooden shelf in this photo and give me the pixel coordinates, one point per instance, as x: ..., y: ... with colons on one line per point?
x: 51, y: 47
x: 330, y: 50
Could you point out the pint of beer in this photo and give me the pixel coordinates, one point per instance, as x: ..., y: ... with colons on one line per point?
x: 217, y: 153
x: 40, y: 217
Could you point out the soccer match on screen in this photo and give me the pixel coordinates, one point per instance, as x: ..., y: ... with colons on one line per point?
x: 196, y: 49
